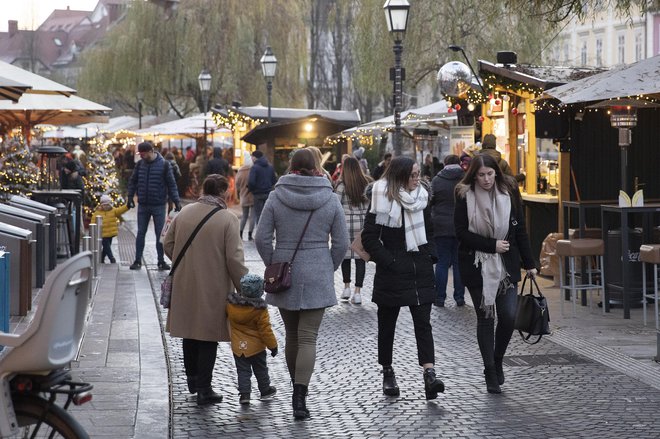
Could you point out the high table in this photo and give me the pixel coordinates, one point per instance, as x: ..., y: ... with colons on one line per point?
x: 73, y: 197
x: 608, y: 211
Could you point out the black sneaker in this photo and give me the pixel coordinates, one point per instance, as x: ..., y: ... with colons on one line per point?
x: 460, y: 303
x: 113, y: 261
x: 439, y: 304
x: 244, y: 398
x: 268, y: 393
x: 136, y: 265
x: 162, y: 265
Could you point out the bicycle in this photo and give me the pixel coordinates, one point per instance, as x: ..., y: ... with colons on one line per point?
x: 34, y: 364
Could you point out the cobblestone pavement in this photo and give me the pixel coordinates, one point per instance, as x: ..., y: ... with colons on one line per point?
x: 567, y: 389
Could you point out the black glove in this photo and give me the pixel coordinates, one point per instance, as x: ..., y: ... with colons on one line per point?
x: 177, y: 207
x: 273, y: 351
x: 130, y: 203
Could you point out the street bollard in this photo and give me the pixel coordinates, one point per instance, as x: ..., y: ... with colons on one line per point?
x: 93, y: 232
x: 99, y: 231
x: 86, y: 244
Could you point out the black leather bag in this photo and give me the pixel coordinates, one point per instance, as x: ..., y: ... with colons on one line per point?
x: 532, y: 315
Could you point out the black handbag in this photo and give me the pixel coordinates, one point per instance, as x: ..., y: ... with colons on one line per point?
x: 532, y: 314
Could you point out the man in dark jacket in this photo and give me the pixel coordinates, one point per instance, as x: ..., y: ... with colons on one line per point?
x: 380, y: 169
x: 260, y: 182
x: 152, y: 180
x: 217, y: 165
x: 443, y: 185
x: 488, y: 148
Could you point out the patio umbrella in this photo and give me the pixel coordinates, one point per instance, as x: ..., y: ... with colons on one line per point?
x: 37, y: 84
x: 12, y: 90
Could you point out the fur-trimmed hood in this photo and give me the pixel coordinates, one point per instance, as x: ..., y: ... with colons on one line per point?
x: 462, y: 189
x: 237, y: 299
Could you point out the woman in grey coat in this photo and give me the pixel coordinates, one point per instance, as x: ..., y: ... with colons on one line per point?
x: 298, y: 194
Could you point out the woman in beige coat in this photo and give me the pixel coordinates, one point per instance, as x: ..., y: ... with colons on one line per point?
x: 244, y: 195
x: 209, y: 270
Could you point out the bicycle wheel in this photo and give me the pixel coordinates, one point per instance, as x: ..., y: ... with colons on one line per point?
x: 57, y: 423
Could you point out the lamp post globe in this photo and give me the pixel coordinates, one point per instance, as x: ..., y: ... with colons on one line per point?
x: 204, y: 80
x: 396, y: 14
x: 268, y: 67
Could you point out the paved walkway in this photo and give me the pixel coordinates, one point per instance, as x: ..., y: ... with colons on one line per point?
x: 594, y: 377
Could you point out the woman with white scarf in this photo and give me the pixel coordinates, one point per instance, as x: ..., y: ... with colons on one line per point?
x: 398, y: 234
x: 490, y: 226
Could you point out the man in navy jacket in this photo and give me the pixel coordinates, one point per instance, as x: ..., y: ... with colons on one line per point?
x: 260, y: 182
x: 152, y: 180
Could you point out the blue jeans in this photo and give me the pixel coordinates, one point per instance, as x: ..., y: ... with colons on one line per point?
x: 244, y: 368
x: 447, y: 248
x: 259, y: 201
x: 145, y: 213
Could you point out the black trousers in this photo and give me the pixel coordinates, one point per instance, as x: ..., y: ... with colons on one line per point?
x: 106, y: 245
x: 421, y: 315
x: 245, y: 366
x: 360, y: 269
x: 494, y: 341
x: 199, y: 359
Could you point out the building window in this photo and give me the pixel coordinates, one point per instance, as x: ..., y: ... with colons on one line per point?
x: 638, y: 47
x: 622, y: 49
x: 565, y: 52
x: 583, y: 54
x: 599, y: 52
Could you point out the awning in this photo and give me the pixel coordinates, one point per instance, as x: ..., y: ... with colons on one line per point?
x: 37, y: 84
x: 634, y: 80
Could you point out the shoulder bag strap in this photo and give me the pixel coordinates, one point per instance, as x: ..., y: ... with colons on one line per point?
x: 301, y: 237
x: 185, y: 247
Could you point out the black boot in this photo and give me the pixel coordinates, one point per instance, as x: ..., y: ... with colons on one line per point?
x: 298, y: 401
x: 207, y: 396
x: 432, y: 385
x: 192, y: 383
x: 249, y: 236
x: 241, y: 235
x: 491, y: 380
x: 390, y: 388
x: 499, y: 371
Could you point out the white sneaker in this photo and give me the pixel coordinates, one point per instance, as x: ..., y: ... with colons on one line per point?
x: 356, y: 299
x: 346, y: 294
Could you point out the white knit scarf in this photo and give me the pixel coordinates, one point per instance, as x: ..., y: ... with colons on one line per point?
x: 488, y: 215
x: 388, y: 212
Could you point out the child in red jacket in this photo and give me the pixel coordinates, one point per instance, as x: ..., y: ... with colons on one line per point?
x: 251, y: 334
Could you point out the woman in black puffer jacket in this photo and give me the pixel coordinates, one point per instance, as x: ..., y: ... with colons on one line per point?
x: 398, y: 234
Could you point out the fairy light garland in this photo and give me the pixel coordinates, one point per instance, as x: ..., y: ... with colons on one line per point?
x: 235, y: 121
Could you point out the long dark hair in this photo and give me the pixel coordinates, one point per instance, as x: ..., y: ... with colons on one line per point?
x: 215, y: 185
x: 354, y: 182
x: 397, y: 176
x: 505, y: 183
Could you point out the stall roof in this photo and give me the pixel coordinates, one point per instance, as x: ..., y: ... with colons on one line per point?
x: 263, y: 132
x: 12, y: 90
x: 640, y: 78
x: 33, y: 109
x: 38, y: 84
x: 284, y: 114
x: 188, y: 126
x: 543, y: 77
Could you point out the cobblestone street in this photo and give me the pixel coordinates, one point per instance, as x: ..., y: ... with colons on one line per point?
x: 551, y: 391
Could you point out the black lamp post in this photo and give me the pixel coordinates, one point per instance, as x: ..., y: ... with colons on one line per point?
x: 396, y: 13
x: 460, y: 49
x: 204, y: 80
x: 268, y: 66
x: 140, y: 98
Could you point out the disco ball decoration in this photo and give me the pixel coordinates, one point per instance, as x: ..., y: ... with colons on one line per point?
x: 454, y: 79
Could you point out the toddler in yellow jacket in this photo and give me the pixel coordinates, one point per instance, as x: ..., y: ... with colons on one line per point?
x: 110, y: 217
x: 251, y: 334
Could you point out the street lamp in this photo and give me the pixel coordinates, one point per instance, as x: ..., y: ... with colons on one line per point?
x: 204, y: 80
x: 268, y: 66
x: 396, y: 13
x: 454, y: 48
x: 140, y: 98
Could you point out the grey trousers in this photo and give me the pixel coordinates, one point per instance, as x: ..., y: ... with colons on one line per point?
x: 302, y: 330
x: 244, y: 368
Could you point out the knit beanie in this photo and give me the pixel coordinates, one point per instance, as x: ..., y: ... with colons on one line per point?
x: 105, y: 199
x: 358, y: 152
x: 252, y: 286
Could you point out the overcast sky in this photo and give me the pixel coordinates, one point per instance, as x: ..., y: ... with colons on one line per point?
x: 31, y: 13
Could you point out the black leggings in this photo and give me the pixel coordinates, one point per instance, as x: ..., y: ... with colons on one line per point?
x: 494, y: 341
x: 360, y: 268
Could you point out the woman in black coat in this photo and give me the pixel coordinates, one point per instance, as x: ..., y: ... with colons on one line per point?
x: 404, y: 266
x: 490, y: 227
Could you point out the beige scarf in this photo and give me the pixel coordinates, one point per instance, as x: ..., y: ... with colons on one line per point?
x: 488, y: 215
x: 388, y: 212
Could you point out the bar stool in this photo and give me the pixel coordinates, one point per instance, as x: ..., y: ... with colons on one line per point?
x: 577, y: 248
x: 650, y: 254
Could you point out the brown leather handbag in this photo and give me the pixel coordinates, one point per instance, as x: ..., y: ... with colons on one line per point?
x: 277, y: 276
